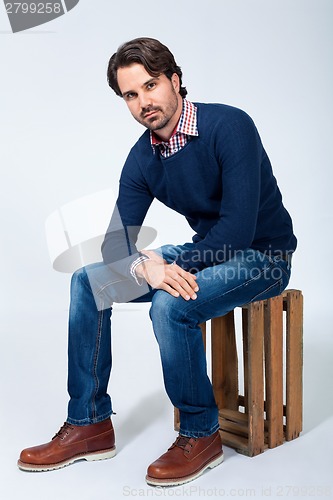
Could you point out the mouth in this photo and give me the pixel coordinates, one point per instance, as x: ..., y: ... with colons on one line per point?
x: 150, y: 114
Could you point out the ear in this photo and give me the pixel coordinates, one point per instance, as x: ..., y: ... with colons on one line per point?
x: 175, y: 82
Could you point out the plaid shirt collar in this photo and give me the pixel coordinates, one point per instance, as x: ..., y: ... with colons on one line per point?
x: 186, y: 126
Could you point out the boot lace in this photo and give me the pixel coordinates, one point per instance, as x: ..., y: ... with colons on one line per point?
x: 63, y: 431
x: 182, y: 442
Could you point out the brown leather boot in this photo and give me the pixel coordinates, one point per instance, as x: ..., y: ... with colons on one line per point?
x: 186, y: 460
x: 71, y: 443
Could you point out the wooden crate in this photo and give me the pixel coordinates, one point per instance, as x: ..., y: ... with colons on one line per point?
x: 270, y: 410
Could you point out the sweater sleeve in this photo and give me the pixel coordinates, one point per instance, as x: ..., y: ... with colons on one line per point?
x: 238, y: 149
x: 134, y: 199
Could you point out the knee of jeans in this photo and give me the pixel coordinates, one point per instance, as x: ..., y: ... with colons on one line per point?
x: 79, y: 277
x: 162, y: 305
x: 161, y: 314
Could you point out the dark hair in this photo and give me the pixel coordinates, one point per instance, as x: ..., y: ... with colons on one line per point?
x: 152, y: 54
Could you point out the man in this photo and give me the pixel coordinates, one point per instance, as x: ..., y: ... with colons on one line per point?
x: 207, y: 162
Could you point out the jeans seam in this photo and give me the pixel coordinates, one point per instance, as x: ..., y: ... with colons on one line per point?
x: 277, y: 283
x: 277, y: 263
x: 190, y: 366
x: 284, y: 272
x: 102, y: 288
x: 95, y: 363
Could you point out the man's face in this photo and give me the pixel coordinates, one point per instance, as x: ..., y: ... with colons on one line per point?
x: 154, y: 102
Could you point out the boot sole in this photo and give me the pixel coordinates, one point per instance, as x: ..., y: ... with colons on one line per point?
x: 90, y: 457
x: 186, y: 479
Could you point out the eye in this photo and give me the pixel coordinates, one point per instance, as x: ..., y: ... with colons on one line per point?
x: 130, y: 95
x: 151, y: 85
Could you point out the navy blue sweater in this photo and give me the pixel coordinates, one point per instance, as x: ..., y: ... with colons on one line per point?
x: 221, y: 181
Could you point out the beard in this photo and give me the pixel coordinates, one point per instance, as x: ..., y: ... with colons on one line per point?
x: 161, y: 116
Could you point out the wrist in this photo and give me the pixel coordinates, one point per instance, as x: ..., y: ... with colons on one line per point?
x: 139, y: 270
x: 137, y: 266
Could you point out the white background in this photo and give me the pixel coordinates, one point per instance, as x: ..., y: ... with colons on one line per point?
x: 64, y: 135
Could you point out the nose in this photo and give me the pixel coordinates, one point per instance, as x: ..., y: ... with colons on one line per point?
x: 145, y: 100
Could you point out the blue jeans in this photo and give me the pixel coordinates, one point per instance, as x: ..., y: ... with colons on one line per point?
x: 247, y: 277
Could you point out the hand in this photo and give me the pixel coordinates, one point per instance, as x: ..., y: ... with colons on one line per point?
x: 153, y: 256
x: 169, y: 277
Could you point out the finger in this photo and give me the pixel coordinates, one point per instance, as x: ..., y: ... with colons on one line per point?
x: 167, y: 288
x: 186, y: 289
x: 188, y: 277
x: 181, y: 286
x: 189, y: 288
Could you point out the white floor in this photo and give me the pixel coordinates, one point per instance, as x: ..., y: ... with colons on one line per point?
x: 33, y: 381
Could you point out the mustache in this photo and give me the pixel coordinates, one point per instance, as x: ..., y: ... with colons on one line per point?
x: 149, y: 109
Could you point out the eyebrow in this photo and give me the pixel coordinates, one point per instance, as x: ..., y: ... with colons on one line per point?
x: 143, y: 85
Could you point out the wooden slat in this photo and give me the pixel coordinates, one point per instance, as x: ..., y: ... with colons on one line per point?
x: 239, y: 443
x: 245, y: 336
x: 234, y: 422
x: 240, y: 428
x: 285, y: 295
x: 234, y: 416
x: 256, y: 378
x: 241, y: 402
x: 176, y: 420
x: 294, y: 361
x: 203, y: 331
x: 224, y: 361
x: 234, y: 428
x: 274, y: 369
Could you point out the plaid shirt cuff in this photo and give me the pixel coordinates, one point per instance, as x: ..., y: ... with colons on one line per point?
x: 135, y: 264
